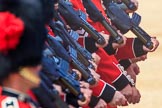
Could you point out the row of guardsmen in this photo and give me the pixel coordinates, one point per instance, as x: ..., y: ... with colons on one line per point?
x: 70, y: 53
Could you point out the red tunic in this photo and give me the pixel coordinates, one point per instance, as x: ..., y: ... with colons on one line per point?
x: 99, y: 88
x: 13, y: 102
x: 107, y: 67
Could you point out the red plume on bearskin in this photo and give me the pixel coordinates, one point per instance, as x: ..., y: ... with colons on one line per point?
x: 11, y: 29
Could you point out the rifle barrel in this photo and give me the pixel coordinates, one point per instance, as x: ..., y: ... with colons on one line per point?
x: 72, y: 89
x: 143, y: 36
x: 113, y: 33
x: 88, y: 28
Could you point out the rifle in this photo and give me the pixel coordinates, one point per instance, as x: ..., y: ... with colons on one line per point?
x: 76, y: 21
x: 57, y: 47
x: 86, y: 74
x: 51, y: 99
x: 130, y: 5
x: 68, y: 40
x: 65, y: 79
x: 124, y: 23
x: 96, y: 16
x: 126, y: 4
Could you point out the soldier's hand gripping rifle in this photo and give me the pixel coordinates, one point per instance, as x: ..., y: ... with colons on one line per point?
x: 86, y: 74
x: 76, y: 21
x: 51, y: 69
x: 97, y: 16
x: 124, y: 23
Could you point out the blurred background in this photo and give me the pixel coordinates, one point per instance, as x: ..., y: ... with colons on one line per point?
x: 149, y: 81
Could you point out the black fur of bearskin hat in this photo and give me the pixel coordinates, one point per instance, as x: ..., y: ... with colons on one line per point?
x: 22, y: 33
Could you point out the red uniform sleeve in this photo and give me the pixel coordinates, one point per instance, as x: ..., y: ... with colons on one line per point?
x: 50, y: 32
x: 109, y: 70
x: 132, y: 49
x: 77, y: 4
x: 126, y: 51
x: 97, y: 25
x: 104, y: 91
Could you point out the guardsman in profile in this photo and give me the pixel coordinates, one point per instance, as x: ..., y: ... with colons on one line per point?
x: 22, y: 36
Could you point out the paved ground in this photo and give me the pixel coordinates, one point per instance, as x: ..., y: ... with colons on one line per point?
x: 149, y: 81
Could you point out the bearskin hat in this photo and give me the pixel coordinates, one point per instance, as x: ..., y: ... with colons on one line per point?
x: 22, y: 33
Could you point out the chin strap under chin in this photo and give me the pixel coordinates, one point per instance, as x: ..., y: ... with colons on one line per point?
x: 27, y: 74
